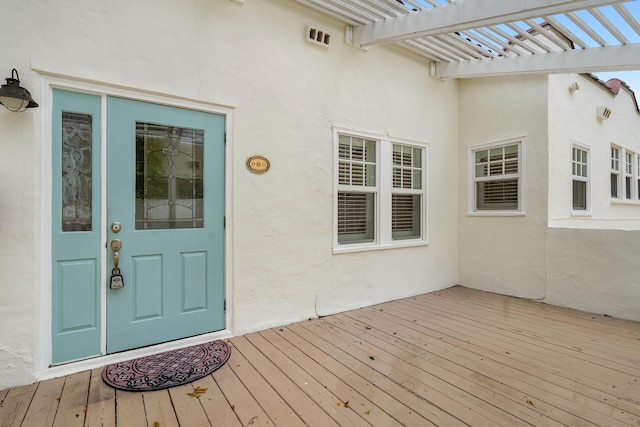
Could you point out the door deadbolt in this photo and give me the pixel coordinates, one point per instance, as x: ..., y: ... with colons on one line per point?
x: 116, y: 227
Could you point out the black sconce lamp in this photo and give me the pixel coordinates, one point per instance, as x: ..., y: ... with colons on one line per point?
x: 14, y: 97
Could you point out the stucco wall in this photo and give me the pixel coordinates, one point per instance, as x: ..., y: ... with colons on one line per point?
x: 594, y: 270
x: 286, y: 95
x: 572, y: 119
x: 505, y: 254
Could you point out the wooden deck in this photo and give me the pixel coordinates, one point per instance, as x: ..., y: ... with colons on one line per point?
x: 450, y: 358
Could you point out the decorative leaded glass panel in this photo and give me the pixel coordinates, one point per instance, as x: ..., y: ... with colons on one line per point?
x: 169, y: 177
x: 76, y: 172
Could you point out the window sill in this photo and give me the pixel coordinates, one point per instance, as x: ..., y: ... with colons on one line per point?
x: 581, y: 214
x: 496, y: 213
x: 625, y: 202
x: 375, y: 247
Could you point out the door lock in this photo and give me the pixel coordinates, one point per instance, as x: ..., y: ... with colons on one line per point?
x: 116, y: 227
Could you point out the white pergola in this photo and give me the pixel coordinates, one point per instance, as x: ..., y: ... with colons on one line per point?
x: 473, y: 38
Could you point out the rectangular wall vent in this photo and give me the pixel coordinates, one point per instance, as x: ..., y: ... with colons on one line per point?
x: 602, y: 112
x: 316, y: 36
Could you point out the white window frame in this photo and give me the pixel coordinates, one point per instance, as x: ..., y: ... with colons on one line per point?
x: 587, y: 179
x: 383, y: 238
x: 637, y: 177
x: 616, y: 164
x: 629, y: 175
x: 472, y: 208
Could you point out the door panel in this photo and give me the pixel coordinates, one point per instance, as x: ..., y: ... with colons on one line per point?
x: 165, y: 185
x: 75, y: 218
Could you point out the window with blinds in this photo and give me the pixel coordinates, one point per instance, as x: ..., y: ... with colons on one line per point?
x: 406, y: 197
x: 357, y: 176
x: 615, y: 172
x: 497, y: 178
x: 380, y: 192
x: 580, y: 178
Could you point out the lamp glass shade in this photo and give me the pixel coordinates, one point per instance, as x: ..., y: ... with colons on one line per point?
x: 15, y: 97
x: 14, y: 104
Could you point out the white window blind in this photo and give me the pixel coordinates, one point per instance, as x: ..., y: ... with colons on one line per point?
x: 580, y: 181
x: 380, y: 192
x: 497, y: 178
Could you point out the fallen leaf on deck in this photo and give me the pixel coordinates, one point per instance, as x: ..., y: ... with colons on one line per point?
x: 346, y: 404
x: 251, y: 420
x: 199, y: 391
x: 156, y: 424
x: 531, y: 403
x: 367, y: 412
x: 372, y: 358
x: 338, y: 403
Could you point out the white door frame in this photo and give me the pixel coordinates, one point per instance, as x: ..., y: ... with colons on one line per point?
x: 44, y: 346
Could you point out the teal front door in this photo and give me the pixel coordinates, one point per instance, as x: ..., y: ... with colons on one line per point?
x: 165, y: 205
x: 162, y: 179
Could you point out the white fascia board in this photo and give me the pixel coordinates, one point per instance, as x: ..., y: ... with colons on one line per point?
x: 464, y: 14
x: 610, y: 58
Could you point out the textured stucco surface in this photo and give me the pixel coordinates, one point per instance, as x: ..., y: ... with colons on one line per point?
x: 595, y: 271
x: 285, y: 94
x: 505, y: 254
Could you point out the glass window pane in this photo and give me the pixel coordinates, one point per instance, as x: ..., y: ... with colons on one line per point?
x: 405, y: 216
x: 482, y: 156
x: 497, y: 195
x: 370, y: 147
x: 417, y: 179
x: 417, y: 157
x: 76, y: 172
x: 344, y: 147
x: 169, y: 177
x: 579, y: 195
x: 614, y: 185
x: 356, y: 219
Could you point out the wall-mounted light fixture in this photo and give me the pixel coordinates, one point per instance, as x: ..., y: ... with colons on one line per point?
x: 15, y: 97
x: 574, y: 87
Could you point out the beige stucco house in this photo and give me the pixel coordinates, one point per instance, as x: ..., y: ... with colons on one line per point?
x: 299, y: 177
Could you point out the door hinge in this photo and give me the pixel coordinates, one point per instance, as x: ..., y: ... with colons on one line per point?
x: 225, y: 138
x: 224, y: 222
x: 225, y: 306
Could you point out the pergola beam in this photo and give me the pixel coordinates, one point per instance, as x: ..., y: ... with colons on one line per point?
x: 610, y: 58
x: 464, y: 14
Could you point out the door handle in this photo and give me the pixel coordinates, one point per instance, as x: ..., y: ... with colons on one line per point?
x: 116, y: 244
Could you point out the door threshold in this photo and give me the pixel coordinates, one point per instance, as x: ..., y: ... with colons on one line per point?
x: 103, y: 360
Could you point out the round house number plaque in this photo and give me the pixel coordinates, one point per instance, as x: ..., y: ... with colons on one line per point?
x: 258, y: 164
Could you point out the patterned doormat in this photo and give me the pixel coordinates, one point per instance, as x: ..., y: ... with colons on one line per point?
x: 168, y: 369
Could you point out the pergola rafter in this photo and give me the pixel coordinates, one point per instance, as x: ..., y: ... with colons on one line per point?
x: 470, y: 38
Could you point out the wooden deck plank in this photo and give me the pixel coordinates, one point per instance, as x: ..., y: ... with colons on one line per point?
x: 15, y: 404
x: 215, y: 404
x: 394, y: 410
x: 241, y: 400
x: 428, y: 387
x: 130, y: 409
x: 320, y: 394
x: 73, y: 402
x: 563, y: 361
x: 305, y: 408
x: 101, y: 403
x: 552, y: 334
x: 536, y: 310
x: 279, y: 410
x: 187, y: 406
x: 43, y: 408
x: 459, y: 367
x: 453, y: 356
x: 158, y: 408
x: 339, y: 386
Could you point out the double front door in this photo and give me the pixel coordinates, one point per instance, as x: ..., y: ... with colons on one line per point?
x: 142, y: 207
